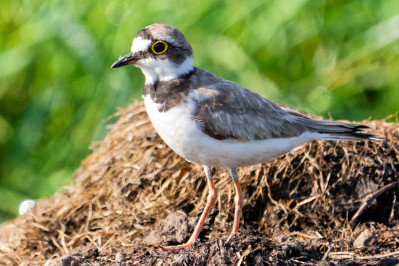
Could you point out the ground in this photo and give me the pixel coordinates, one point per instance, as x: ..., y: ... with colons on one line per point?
x: 325, y: 203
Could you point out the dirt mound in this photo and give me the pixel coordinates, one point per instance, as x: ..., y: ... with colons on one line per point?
x: 134, y: 195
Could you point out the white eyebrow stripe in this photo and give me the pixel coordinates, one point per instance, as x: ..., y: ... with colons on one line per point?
x: 140, y: 44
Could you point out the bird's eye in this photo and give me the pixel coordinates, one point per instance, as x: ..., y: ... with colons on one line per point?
x: 159, y: 47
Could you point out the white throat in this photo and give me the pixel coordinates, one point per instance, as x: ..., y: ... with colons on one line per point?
x: 159, y: 70
x: 163, y: 70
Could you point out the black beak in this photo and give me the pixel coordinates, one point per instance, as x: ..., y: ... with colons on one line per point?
x: 123, y: 61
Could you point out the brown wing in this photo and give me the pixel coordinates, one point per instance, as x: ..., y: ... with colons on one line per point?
x: 229, y: 111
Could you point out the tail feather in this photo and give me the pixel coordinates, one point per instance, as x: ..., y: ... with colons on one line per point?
x: 349, y: 136
x: 344, y: 131
x: 332, y: 130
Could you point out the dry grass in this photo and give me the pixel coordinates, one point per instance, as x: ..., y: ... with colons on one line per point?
x: 133, y: 180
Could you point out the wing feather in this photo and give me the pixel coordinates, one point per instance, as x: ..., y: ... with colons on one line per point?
x: 226, y: 110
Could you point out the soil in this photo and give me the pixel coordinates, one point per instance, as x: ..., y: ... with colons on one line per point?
x: 326, y: 203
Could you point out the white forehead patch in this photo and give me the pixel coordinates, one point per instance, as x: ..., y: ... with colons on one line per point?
x: 139, y: 44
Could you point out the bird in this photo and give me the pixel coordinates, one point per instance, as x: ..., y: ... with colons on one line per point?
x: 215, y: 122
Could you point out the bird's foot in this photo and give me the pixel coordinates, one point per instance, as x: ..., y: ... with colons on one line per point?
x: 186, y: 245
x: 189, y: 243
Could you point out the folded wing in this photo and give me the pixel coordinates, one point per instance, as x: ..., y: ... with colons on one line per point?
x: 227, y: 111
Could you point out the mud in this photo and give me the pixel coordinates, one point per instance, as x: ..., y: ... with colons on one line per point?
x: 133, y: 195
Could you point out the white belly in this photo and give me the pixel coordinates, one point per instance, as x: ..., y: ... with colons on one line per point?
x: 183, y: 135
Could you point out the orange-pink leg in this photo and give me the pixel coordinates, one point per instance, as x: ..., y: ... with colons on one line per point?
x: 238, y: 200
x: 209, y: 205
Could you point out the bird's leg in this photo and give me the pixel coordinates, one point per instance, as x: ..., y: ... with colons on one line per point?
x: 238, y: 200
x: 211, y: 201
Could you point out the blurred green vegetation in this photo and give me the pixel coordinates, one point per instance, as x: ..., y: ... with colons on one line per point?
x: 337, y: 58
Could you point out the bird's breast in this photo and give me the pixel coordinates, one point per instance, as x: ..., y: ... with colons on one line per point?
x: 175, y: 126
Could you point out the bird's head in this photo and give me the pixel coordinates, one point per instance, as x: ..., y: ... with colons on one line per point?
x: 161, y: 51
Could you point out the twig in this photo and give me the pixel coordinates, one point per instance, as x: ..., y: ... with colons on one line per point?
x: 327, y: 253
x: 370, y: 198
x: 269, y: 193
x: 295, y: 233
x: 107, y: 242
x: 380, y: 256
x: 350, y: 255
x: 246, y: 252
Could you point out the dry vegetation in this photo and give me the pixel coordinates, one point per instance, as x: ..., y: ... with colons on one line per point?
x: 134, y: 195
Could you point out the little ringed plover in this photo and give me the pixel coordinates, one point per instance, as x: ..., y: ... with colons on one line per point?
x: 216, y: 122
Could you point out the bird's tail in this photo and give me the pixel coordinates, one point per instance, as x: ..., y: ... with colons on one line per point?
x: 334, y: 130
x: 347, y: 131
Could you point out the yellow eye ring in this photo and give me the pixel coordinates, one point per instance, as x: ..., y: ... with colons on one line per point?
x: 159, y: 47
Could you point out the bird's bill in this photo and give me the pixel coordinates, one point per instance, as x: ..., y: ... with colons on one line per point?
x: 128, y: 59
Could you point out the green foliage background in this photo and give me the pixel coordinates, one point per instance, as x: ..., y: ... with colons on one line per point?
x: 337, y: 58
